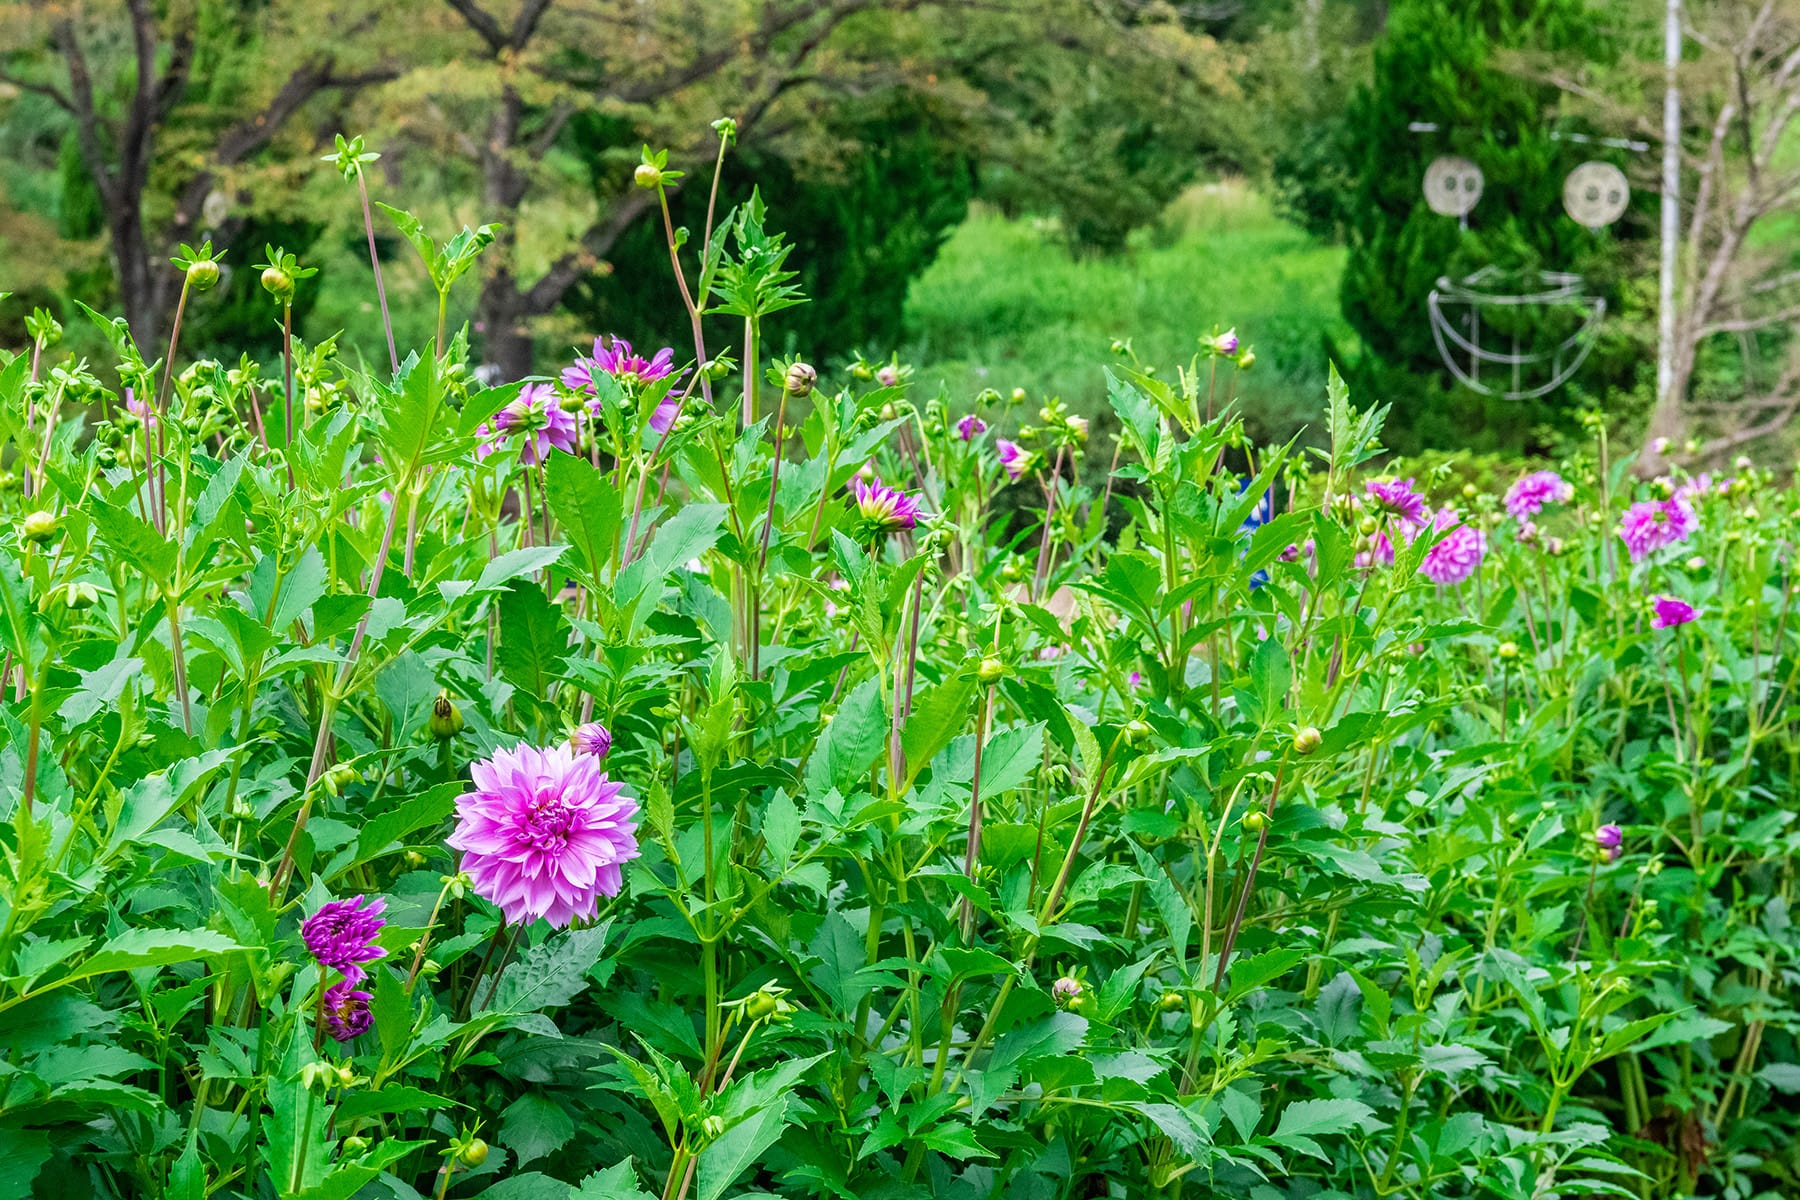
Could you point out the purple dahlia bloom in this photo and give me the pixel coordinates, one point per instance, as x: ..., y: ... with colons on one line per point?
x: 1397, y: 498
x: 545, y: 833
x: 970, y: 428
x: 540, y: 421
x: 1458, y: 555
x: 1670, y: 612
x: 1611, y: 840
x: 347, y: 1012
x: 341, y: 935
x: 620, y: 362
x: 1527, y: 496
x: 1650, y: 525
x: 885, y: 509
x: 1013, y: 457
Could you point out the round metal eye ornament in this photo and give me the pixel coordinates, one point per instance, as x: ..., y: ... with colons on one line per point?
x: 1595, y: 194
x: 1452, y: 186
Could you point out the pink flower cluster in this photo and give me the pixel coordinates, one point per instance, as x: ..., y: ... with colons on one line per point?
x: 1457, y: 555
x: 1528, y: 496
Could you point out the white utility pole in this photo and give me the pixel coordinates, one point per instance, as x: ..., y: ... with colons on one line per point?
x: 1671, y: 202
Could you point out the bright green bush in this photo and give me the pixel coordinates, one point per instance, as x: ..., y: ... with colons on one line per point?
x: 613, y: 789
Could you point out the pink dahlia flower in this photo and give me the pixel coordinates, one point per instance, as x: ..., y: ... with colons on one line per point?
x: 618, y: 361
x: 970, y: 428
x: 884, y: 509
x: 1650, y: 525
x: 1527, y: 497
x: 1397, y: 498
x: 540, y: 421
x: 1457, y: 556
x: 592, y: 738
x: 544, y: 833
x: 1014, y: 457
x: 1668, y: 612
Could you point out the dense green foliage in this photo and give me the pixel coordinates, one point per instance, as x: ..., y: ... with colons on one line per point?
x: 1208, y: 821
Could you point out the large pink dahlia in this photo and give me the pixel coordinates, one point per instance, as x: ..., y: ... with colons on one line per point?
x: 544, y: 833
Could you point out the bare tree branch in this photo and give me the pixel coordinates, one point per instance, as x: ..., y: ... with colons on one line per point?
x: 482, y: 23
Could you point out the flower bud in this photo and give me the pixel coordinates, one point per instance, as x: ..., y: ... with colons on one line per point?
x: 888, y: 376
x: 647, y: 175
x: 474, y: 1152
x: 1119, y: 346
x: 356, y: 1145
x: 1696, y: 563
x: 346, y: 1076
x: 1136, y: 730
x: 446, y: 719
x: 1246, y: 359
x: 1470, y: 491
x: 201, y: 276
x: 862, y: 372
x: 1368, y: 526
x: 889, y: 412
x: 866, y: 472
x: 1226, y: 344
x: 1307, y: 740
x: 1078, y: 426
x: 1171, y: 1002
x: 1255, y: 819
x: 1508, y: 650
x: 39, y: 526
x: 992, y: 670
x: 278, y: 283
x: 80, y: 596
x: 761, y: 1006
x: 800, y: 379
x: 1018, y: 395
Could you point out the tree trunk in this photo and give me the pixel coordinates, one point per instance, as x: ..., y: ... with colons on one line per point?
x: 506, y: 343
x: 138, y: 293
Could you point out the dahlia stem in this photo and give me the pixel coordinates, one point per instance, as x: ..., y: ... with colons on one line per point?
x: 500, y: 968
x: 774, y: 476
x: 287, y: 359
x: 375, y: 262
x: 972, y: 856
x: 1243, y: 901
x: 425, y: 938
x: 161, y: 410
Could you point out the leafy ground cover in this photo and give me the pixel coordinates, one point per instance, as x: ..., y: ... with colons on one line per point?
x: 688, y: 777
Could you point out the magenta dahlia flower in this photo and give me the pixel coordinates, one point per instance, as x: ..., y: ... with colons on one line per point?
x: 1650, y: 525
x: 1458, y: 555
x: 1527, y: 496
x: 544, y: 833
x: 1397, y: 498
x: 592, y: 738
x: 970, y: 428
x: 1611, y: 840
x: 1226, y: 344
x: 884, y: 509
x: 537, y: 419
x: 1014, y: 457
x: 618, y: 361
x: 341, y: 935
x: 347, y: 1012
x: 1668, y: 612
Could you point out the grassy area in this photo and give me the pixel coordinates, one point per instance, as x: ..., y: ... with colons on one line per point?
x: 1006, y: 305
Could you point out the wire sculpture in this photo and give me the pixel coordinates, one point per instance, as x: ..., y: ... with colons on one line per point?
x: 1456, y: 321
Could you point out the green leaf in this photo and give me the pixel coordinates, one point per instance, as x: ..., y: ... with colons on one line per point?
x: 738, y: 1150
x: 534, y: 640
x: 552, y: 974
x: 137, y: 948
x: 534, y: 1126
x: 617, y: 1182
x: 937, y: 717
x: 850, y: 743
x: 587, y: 511
x: 1316, y: 1118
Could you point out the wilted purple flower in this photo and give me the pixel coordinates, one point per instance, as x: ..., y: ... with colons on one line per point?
x: 1013, y: 457
x: 1226, y: 344
x: 592, y: 738
x: 1670, y: 612
x: 1650, y: 525
x: 341, y: 935
x: 1457, y: 556
x: 1610, y: 839
x: 544, y: 833
x: 1065, y: 990
x: 884, y: 509
x: 540, y: 421
x: 1527, y: 497
x: 346, y: 1012
x: 970, y: 428
x: 1397, y: 498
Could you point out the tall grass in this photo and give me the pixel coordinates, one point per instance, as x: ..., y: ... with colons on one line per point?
x: 1007, y: 305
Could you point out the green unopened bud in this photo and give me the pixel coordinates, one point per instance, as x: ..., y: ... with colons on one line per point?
x: 1018, y: 395
x: 1246, y: 359
x: 761, y: 1006
x: 1696, y: 563
x: 647, y: 175
x: 713, y: 1128
x: 201, y: 276
x: 1307, y: 739
x: 992, y: 670
x: 1171, y: 1002
x: 1367, y: 526
x: 39, y: 526
x: 80, y: 596
x: 1470, y: 491
x: 1136, y: 730
x: 1508, y: 650
x: 472, y: 1153
x: 1255, y: 819
x: 278, y: 283
x: 356, y: 1145
x: 446, y: 719
x: 346, y: 1076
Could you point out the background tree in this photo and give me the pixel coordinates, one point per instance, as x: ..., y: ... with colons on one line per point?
x: 166, y: 113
